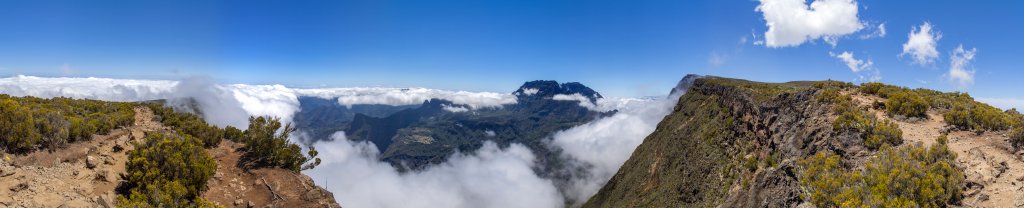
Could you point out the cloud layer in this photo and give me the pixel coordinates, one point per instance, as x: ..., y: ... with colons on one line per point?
x: 489, y: 177
x: 224, y: 104
x: 793, y: 22
x: 408, y: 96
x: 602, y: 146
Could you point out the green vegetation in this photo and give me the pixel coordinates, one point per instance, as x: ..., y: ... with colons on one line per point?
x: 30, y: 123
x: 1017, y: 132
x: 960, y: 110
x: 167, y: 171
x: 190, y: 124
x: 264, y: 148
x: 978, y: 117
x: 910, y: 176
x: 906, y: 103
x: 875, y: 132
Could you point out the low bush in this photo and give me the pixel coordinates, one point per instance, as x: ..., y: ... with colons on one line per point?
x: 167, y: 171
x: 189, y: 123
x: 906, y: 103
x: 873, y: 131
x: 979, y: 117
x: 910, y: 176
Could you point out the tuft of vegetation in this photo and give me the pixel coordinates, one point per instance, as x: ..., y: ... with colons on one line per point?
x: 190, y: 124
x: 960, y: 109
x: 266, y: 148
x: 1017, y: 128
x: 29, y: 123
x: 906, y: 103
x: 873, y: 131
x: 979, y: 117
x: 167, y: 170
x: 910, y: 176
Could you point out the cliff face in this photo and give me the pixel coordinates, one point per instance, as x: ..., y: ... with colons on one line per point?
x: 728, y: 143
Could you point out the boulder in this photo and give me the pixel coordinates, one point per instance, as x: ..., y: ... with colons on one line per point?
x: 91, y: 162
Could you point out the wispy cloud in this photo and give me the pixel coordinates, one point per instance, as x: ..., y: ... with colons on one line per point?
x: 853, y: 63
x: 960, y: 70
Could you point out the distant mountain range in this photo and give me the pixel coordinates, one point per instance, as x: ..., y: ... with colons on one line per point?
x: 414, y: 136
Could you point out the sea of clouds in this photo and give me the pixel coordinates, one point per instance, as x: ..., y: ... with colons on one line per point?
x: 489, y: 177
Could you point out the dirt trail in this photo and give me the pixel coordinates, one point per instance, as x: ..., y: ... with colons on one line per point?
x: 232, y: 186
x: 995, y: 176
x: 82, y: 174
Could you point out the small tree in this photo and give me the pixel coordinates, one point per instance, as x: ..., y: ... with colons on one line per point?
x: 267, y: 145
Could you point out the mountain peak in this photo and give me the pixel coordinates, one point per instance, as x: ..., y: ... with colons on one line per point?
x: 550, y: 88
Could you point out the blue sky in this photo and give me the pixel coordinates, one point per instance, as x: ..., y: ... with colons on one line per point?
x: 620, y: 48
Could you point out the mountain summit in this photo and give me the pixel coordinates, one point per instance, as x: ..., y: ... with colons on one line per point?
x: 546, y: 89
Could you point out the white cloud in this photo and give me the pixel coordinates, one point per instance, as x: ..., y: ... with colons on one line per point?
x: 490, y: 177
x: 454, y: 109
x: 272, y: 100
x: 793, y: 22
x: 408, y: 96
x: 584, y: 101
x: 602, y: 146
x: 1004, y: 103
x: 921, y: 43
x: 530, y: 91
x: 88, y: 88
x: 960, y: 70
x: 853, y: 63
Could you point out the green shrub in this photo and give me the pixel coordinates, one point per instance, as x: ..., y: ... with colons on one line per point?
x: 17, y: 128
x: 910, y: 176
x: 31, y: 123
x: 54, y: 128
x: 873, y: 131
x: 264, y: 148
x: 188, y: 123
x: 167, y: 171
x: 906, y: 103
x: 979, y: 117
x: 882, y: 90
x: 1017, y: 131
x: 233, y: 134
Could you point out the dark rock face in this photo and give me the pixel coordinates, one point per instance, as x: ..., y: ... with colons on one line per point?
x: 545, y: 89
x: 695, y: 156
